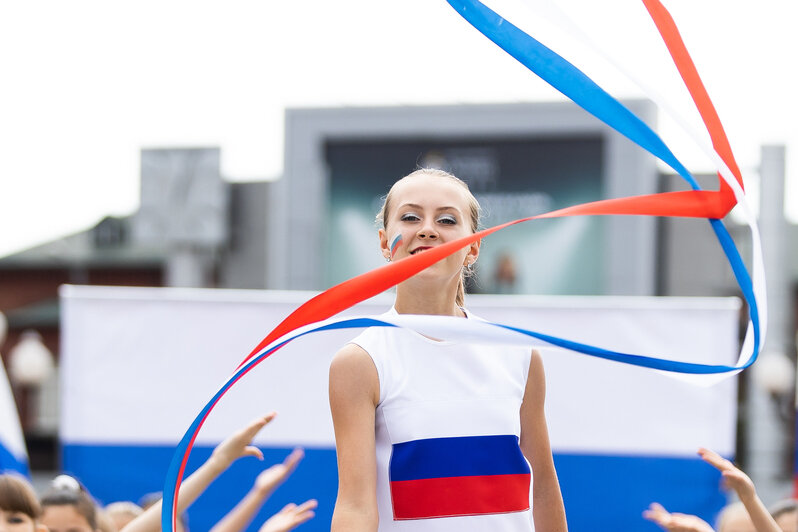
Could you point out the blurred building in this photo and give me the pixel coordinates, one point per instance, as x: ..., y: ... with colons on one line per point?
x: 193, y: 228
x: 314, y: 227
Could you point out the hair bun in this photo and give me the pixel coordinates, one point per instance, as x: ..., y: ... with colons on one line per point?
x: 65, y: 483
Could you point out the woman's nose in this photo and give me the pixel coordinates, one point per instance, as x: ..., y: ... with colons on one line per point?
x: 427, y: 232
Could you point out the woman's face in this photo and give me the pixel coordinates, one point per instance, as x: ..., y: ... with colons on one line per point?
x: 64, y: 518
x: 427, y: 211
x: 16, y: 522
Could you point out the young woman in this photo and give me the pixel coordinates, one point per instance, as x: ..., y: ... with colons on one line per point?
x: 19, y: 507
x: 437, y: 435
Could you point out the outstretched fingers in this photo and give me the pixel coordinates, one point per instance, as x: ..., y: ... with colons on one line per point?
x: 675, y: 522
x: 304, y: 511
x: 238, y: 444
x: 715, y: 460
x: 290, y: 517
x: 272, y: 477
x: 657, y: 513
x: 293, y: 459
x: 733, y: 477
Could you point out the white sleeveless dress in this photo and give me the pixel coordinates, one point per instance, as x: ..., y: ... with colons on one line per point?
x: 447, y: 434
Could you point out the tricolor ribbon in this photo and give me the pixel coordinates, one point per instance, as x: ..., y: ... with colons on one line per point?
x: 565, y: 77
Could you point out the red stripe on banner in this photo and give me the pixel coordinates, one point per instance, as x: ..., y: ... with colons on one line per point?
x: 458, y: 496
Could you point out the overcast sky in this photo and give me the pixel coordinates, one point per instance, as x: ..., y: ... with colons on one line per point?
x: 87, y: 84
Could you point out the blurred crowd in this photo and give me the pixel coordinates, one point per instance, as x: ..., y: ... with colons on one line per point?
x: 67, y: 506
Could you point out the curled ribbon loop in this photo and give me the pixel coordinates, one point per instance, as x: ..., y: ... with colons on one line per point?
x: 572, y: 82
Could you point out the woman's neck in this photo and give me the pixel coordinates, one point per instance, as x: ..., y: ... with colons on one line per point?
x: 437, y: 302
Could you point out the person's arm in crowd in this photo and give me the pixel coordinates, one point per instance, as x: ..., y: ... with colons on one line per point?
x: 290, y: 517
x: 741, y: 483
x: 239, y: 517
x: 675, y: 522
x: 223, y: 456
x: 547, y: 505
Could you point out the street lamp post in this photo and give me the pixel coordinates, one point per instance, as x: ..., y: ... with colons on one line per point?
x: 3, y: 328
x: 30, y: 364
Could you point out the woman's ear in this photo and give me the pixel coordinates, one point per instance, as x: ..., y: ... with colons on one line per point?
x: 473, y: 253
x: 384, y: 249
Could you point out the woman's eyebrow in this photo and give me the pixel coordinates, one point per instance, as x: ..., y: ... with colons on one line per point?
x: 417, y: 206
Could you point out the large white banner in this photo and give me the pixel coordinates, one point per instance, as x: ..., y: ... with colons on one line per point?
x: 138, y: 364
x: 144, y: 361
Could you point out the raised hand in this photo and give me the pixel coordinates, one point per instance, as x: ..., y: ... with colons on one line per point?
x: 238, y: 444
x: 675, y: 522
x: 290, y: 517
x: 733, y: 477
x: 272, y: 477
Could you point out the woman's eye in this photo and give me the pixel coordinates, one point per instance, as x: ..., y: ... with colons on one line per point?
x: 409, y: 217
x: 447, y: 219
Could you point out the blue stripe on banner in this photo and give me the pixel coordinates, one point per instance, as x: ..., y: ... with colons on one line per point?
x: 9, y: 462
x: 457, y: 457
x: 611, y: 492
x: 601, y: 492
x: 126, y: 473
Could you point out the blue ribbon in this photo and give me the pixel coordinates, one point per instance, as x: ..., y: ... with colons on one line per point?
x: 573, y: 83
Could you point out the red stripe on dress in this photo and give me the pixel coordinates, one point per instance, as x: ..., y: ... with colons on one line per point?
x: 456, y: 496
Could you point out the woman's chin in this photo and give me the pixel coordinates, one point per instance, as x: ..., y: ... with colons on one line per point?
x: 436, y: 275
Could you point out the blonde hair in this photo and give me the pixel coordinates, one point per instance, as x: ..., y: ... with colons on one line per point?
x: 474, y: 211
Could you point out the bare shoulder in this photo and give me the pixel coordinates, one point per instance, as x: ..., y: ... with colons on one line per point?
x: 349, y: 358
x: 535, y: 392
x: 536, y: 366
x: 352, y: 372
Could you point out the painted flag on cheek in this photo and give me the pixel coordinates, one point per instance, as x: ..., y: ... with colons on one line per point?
x: 395, y: 244
x: 447, y: 477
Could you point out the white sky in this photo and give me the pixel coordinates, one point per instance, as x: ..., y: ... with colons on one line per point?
x: 86, y: 84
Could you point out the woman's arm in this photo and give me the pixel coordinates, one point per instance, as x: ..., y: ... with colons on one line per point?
x: 354, y: 394
x: 547, y: 505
